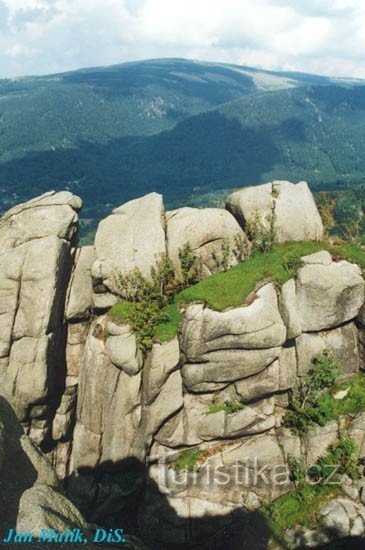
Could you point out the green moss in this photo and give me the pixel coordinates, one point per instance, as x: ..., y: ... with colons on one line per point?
x: 167, y: 330
x: 299, y: 507
x: 354, y: 402
x: 230, y: 288
x: 164, y: 331
x: 188, y: 460
x: 120, y: 313
x: 351, y: 252
x: 229, y: 407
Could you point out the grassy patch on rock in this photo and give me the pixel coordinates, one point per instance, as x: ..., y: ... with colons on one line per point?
x: 188, y: 460
x: 299, y: 507
x: 231, y: 288
x: 229, y: 407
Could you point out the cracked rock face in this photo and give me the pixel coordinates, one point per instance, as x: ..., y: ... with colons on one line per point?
x: 289, y: 209
x: 36, y: 242
x: 228, y: 346
x: 328, y: 295
x: 31, y: 498
x: 206, y: 230
x: 133, y: 237
x: 82, y: 387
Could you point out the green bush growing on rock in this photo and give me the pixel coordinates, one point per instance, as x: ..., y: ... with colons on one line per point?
x: 341, y: 455
x: 222, y: 258
x: 229, y: 407
x: 148, y: 303
x: 314, y: 486
x: 188, y: 460
x: 262, y: 239
x: 313, y: 405
x: 190, y: 266
x: 292, y: 266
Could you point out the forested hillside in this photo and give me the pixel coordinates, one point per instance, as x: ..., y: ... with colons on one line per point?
x: 179, y: 127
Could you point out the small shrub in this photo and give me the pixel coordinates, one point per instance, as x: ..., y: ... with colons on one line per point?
x: 229, y: 407
x: 242, y: 248
x: 292, y: 266
x: 341, y: 455
x: 297, y: 469
x: 190, y: 265
x: 262, y: 239
x: 223, y: 256
x: 313, y: 405
x: 188, y: 460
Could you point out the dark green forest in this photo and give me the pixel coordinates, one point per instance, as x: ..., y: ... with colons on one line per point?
x: 188, y: 130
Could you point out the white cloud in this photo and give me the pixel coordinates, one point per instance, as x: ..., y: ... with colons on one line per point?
x: 45, y: 36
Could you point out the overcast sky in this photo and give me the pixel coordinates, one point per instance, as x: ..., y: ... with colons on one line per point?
x: 47, y: 36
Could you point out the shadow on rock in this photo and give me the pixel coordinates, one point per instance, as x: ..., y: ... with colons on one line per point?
x: 122, y: 495
x: 17, y: 474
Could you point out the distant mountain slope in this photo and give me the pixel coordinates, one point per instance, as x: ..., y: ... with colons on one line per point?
x: 133, y: 99
x: 180, y: 127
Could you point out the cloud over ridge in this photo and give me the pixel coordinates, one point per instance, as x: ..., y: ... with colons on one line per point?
x: 47, y: 36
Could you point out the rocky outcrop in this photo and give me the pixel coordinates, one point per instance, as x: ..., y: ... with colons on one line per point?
x: 133, y: 237
x: 288, y: 210
x: 328, y: 294
x: 118, y: 422
x: 36, y: 241
x: 340, y: 518
x: 31, y: 498
x: 212, y: 233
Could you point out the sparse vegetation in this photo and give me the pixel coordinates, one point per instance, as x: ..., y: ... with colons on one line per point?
x: 299, y: 507
x: 227, y: 289
x: 262, y: 238
x: 188, y: 460
x: 313, y: 405
x: 229, y: 407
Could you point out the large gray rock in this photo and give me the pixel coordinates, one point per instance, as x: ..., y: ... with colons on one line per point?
x: 253, y: 205
x: 342, y: 341
x: 205, y: 230
x: 108, y: 408
x: 160, y: 363
x: 43, y: 508
x: 30, y: 495
x: 123, y: 351
x: 191, y: 508
x: 267, y: 382
x: 81, y: 290
x: 227, y: 346
x: 318, y: 439
x: 227, y: 366
x: 50, y: 214
x: 36, y: 242
x: 288, y: 209
x: 328, y: 295
x: 340, y: 518
x: 133, y: 237
x: 289, y: 309
x: 256, y: 326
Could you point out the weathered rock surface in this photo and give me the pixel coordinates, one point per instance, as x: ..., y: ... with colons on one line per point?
x: 30, y: 495
x: 328, y: 295
x: 133, y: 237
x: 206, y: 230
x: 114, y: 419
x: 36, y: 242
x: 342, y: 341
x: 80, y: 293
x: 340, y: 518
x: 257, y: 326
x: 288, y: 210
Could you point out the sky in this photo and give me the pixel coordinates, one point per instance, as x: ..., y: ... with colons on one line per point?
x: 49, y: 36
